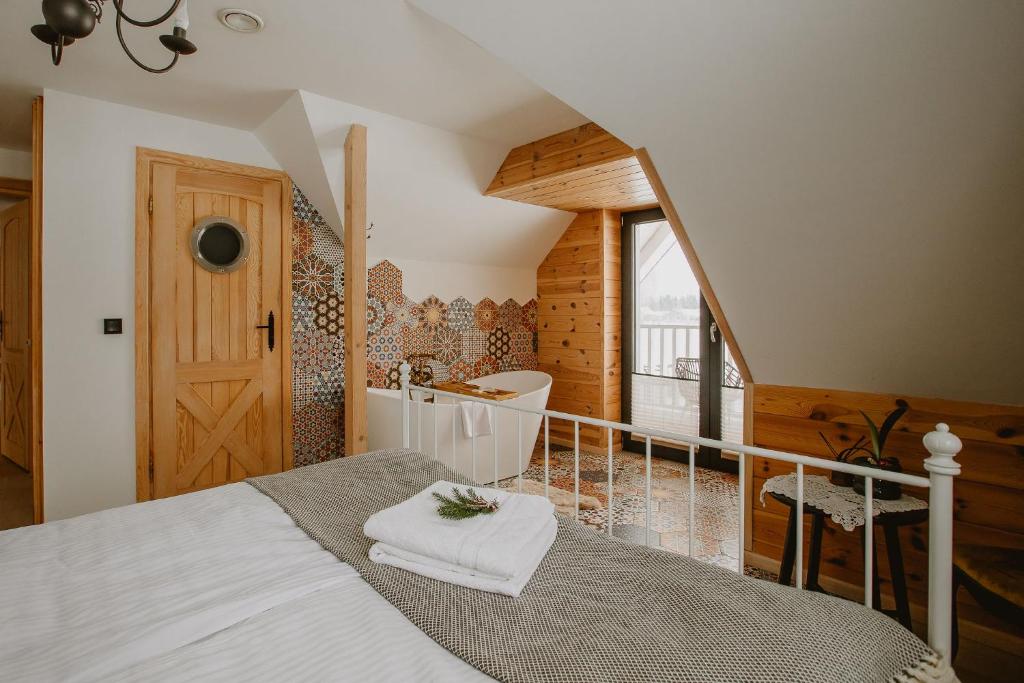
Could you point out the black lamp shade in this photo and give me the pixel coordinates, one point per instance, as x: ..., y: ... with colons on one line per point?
x: 74, y: 18
x: 178, y: 43
x: 48, y: 35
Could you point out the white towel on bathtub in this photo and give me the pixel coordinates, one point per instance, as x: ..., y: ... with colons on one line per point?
x: 476, y: 417
x: 498, y: 550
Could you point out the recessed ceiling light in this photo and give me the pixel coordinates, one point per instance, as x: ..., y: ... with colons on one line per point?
x: 241, y: 20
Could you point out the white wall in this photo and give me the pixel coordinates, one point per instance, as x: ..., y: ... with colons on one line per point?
x: 425, y: 199
x: 88, y: 275
x: 449, y: 281
x: 287, y: 135
x: 850, y: 174
x: 424, y: 196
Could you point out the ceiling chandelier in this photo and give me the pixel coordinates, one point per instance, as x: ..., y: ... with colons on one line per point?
x: 70, y: 20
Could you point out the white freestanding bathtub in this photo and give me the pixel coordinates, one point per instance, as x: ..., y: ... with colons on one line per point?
x: 384, y: 424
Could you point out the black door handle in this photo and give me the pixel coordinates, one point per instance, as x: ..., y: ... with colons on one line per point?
x: 269, y: 327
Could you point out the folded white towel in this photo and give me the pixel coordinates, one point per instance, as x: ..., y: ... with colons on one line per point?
x: 533, y: 554
x: 476, y: 417
x: 496, y: 544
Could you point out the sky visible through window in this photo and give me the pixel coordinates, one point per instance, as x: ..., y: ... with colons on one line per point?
x: 667, y: 292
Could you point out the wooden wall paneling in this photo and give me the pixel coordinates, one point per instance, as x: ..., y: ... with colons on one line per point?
x: 611, y: 292
x: 748, y: 465
x: 355, y: 291
x: 988, y: 493
x: 691, y: 257
x: 36, y: 309
x: 579, y: 327
x: 568, y: 288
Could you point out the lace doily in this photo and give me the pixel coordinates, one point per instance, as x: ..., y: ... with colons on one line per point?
x: 844, y: 505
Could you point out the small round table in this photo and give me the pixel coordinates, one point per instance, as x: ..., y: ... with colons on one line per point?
x: 846, y: 508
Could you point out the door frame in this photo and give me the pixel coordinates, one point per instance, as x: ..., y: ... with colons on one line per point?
x: 144, y: 159
x: 32, y: 190
x: 710, y: 357
x: 629, y: 219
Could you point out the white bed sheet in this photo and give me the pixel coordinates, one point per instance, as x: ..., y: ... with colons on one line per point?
x: 218, y: 584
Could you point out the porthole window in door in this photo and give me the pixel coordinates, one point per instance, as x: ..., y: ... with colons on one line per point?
x: 219, y: 244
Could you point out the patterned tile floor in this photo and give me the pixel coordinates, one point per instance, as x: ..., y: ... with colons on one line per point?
x: 716, y: 532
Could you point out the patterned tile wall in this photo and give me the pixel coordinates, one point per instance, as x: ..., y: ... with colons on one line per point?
x: 318, y: 355
x: 465, y: 340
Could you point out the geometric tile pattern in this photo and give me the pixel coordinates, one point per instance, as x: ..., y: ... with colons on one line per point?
x: 318, y: 357
x: 486, y: 315
x: 460, y: 315
x: 329, y: 314
x: 499, y: 343
x: 384, y: 281
x: 716, y: 532
x: 463, y: 340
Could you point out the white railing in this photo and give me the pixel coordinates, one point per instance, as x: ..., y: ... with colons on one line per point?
x: 942, y: 466
x: 658, y: 346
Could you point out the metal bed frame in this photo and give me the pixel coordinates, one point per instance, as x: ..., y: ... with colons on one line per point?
x: 942, y: 467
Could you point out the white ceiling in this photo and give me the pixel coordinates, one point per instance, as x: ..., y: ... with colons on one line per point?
x: 424, y: 192
x: 850, y: 173
x: 382, y: 54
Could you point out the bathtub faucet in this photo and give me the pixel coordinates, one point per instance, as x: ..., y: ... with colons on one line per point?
x: 422, y: 375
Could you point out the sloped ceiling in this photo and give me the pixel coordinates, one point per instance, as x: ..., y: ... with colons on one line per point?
x: 424, y: 186
x: 851, y: 174
x: 382, y: 54
x: 288, y: 136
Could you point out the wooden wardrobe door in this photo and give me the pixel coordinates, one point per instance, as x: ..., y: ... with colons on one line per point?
x: 14, y: 336
x: 216, y: 384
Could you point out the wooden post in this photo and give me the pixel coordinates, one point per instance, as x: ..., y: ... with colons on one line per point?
x: 36, y: 312
x: 355, y: 291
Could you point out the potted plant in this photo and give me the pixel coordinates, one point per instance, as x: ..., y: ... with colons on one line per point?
x: 883, y: 490
x: 843, y: 478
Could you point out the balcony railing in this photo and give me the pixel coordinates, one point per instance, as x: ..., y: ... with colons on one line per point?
x: 659, y: 346
x: 674, y: 351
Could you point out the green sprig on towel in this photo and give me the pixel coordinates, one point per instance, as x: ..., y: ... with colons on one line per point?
x: 464, y: 505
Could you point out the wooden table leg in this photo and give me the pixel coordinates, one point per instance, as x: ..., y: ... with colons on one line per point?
x: 814, y: 560
x: 789, y: 549
x: 899, y: 581
x: 876, y: 584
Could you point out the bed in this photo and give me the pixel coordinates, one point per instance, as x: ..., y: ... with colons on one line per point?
x: 269, y: 580
x: 210, y: 585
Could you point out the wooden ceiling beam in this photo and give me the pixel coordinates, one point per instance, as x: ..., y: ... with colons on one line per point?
x: 581, y: 169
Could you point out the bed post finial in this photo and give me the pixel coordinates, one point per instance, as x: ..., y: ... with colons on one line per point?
x: 403, y: 383
x: 942, y: 466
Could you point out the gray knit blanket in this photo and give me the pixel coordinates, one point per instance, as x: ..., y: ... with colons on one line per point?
x: 602, y: 609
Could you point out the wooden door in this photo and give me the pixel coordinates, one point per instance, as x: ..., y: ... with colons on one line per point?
x: 220, y: 396
x: 15, y: 387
